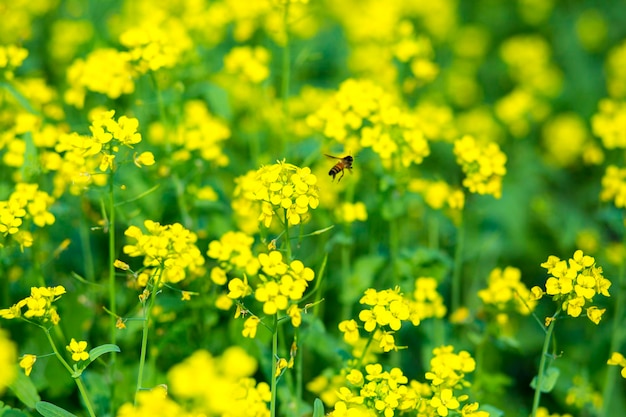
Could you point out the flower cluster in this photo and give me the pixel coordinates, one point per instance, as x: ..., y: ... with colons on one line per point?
x: 614, y: 186
x: 283, y: 190
x: 483, y: 165
x: 11, y: 57
x: 439, y: 195
x: 83, y: 155
x: 27, y: 201
x: 519, y: 110
x: 170, y: 248
x: 233, y: 252
x: 375, y: 392
x: 447, y: 375
x: 106, y: 71
x: 573, y: 285
x: 199, y: 132
x: 351, y: 212
x: 506, y: 292
x: 427, y: 302
x: 566, y: 139
x: 154, y: 402
x: 221, y: 385
x: 251, y: 63
x: 155, y: 44
x: 383, y: 316
x: 363, y: 115
x: 38, y: 305
x: 609, y: 123
x: 417, y: 52
x: 276, y: 284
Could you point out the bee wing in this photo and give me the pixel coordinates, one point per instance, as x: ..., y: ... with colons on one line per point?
x: 332, y: 157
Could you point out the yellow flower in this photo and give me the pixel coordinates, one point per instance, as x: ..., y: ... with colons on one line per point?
x: 77, y: 349
x: 27, y: 363
x: 8, y: 356
x: 250, y: 326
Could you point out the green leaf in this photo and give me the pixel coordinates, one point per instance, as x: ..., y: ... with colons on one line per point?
x: 318, y: 408
x: 98, y: 351
x: 549, y: 380
x: 50, y: 410
x: 6, y: 411
x: 25, y: 390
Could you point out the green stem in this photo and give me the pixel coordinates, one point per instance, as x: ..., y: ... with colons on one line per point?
x: 458, y: 265
x: 79, y: 382
x: 616, y: 341
x: 542, y: 365
x: 112, y: 289
x: 287, y: 238
x: 86, y: 247
x: 274, y: 364
x: 299, y: 376
x: 146, y: 326
x: 367, y: 346
x: 394, y: 248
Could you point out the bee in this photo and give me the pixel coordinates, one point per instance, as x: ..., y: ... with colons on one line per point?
x: 344, y: 163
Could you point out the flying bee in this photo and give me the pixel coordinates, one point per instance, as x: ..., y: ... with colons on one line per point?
x: 344, y: 163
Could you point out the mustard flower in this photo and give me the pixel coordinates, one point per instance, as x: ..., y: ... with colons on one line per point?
x: 284, y: 191
x: 519, y: 109
x: 573, y: 284
x: 233, y: 251
x: 361, y: 109
x: 39, y: 305
x: 27, y: 362
x: 350, y: 330
x: 351, y: 212
x: 198, y: 133
x: 565, y: 139
x: 386, y: 392
x: 250, y: 327
x: 447, y: 375
x: 387, y: 309
x: 215, y: 383
x: 154, y: 402
x: 618, y: 359
x: 608, y: 123
x: 506, y: 291
x: 8, y: 356
x: 27, y: 201
x: 170, y: 247
x: 250, y: 63
x: 483, y: 166
x: 529, y: 60
x: 11, y: 57
x: 156, y: 44
x: 427, y: 302
x: 105, y: 71
x: 444, y: 401
x: 77, y: 349
x: 614, y: 186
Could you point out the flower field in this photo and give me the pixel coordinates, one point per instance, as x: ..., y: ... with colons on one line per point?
x: 226, y: 208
